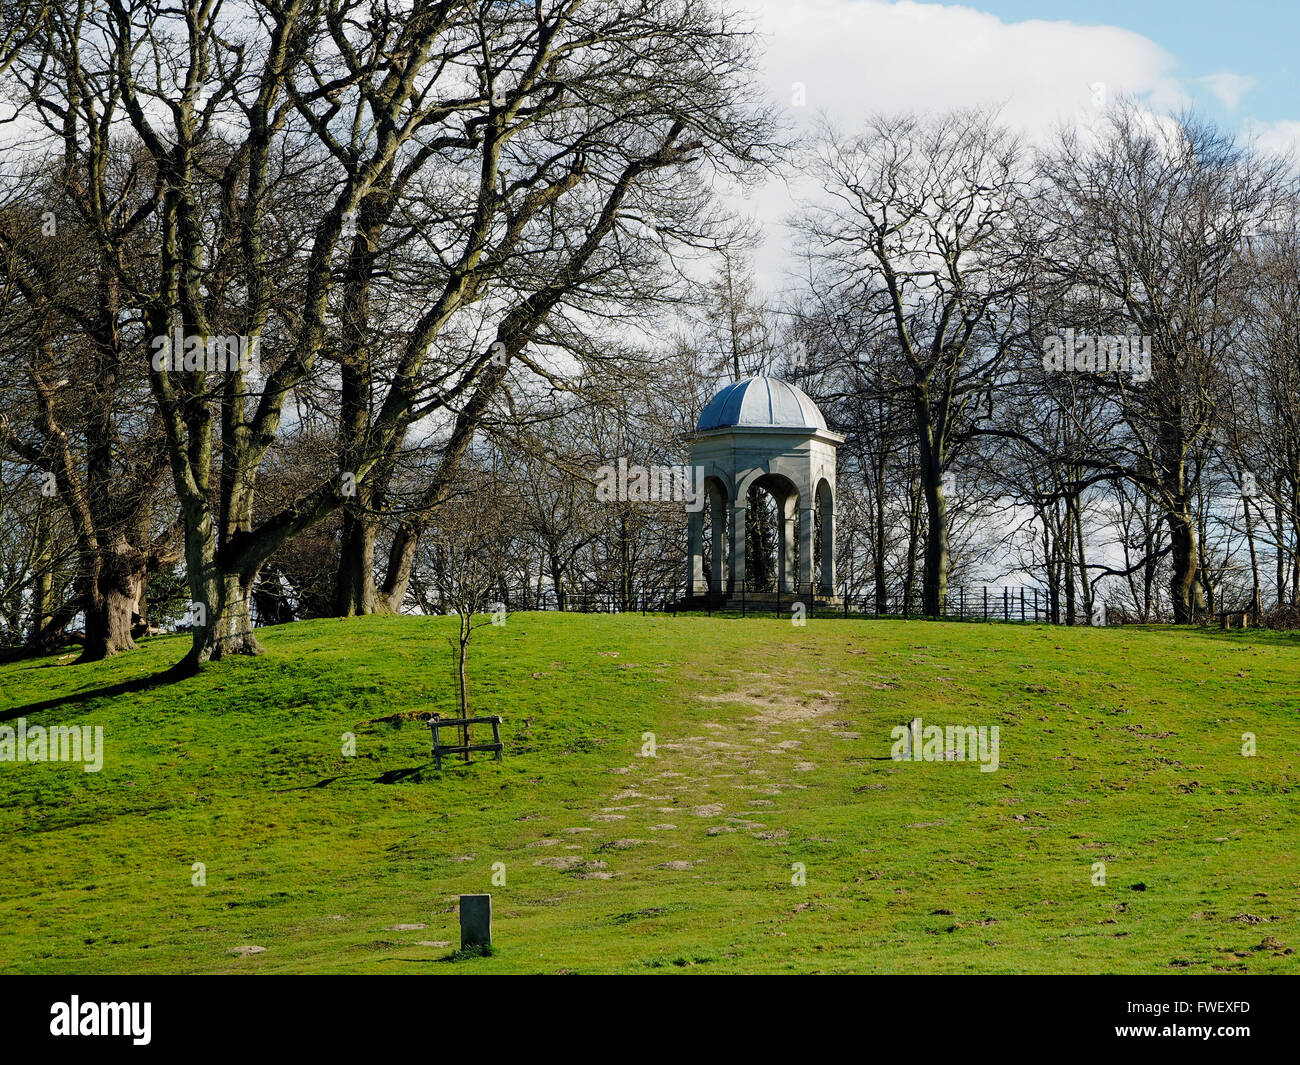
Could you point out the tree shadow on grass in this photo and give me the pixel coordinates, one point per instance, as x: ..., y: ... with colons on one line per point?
x: 464, y: 954
x: 396, y: 776
x: 1272, y: 637
x: 324, y: 782
x: 393, y: 776
x: 126, y: 687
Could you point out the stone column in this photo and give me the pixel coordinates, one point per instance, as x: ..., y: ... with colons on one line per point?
x: 827, y: 503
x: 785, y: 544
x: 737, y: 573
x: 805, y: 550
x: 694, y: 553
x: 718, y: 527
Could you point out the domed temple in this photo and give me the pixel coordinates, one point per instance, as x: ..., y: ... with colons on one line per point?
x: 763, y: 432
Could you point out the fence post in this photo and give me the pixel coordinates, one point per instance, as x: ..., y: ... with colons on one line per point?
x: 986, y: 602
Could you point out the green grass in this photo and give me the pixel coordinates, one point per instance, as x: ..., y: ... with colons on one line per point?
x: 1117, y: 745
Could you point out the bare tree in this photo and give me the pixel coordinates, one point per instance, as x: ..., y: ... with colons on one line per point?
x: 921, y: 235
x: 470, y: 547
x: 542, y: 156
x: 1147, y: 223
x: 76, y: 405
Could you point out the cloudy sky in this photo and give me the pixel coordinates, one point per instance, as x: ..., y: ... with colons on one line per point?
x: 1038, y: 59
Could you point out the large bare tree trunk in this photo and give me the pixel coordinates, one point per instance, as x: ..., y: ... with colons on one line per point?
x: 913, y: 545
x: 1185, y: 588
x: 229, y: 628
x: 1256, y: 596
x: 557, y: 576
x: 355, y: 582
x: 115, y: 586
x: 1085, y: 588
x: 221, y: 605
x: 1071, y: 608
x: 935, y: 588
x: 1295, y: 538
x: 401, y: 560
x: 43, y: 591
x: 935, y: 580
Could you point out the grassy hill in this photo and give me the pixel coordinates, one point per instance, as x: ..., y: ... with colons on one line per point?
x: 1117, y: 745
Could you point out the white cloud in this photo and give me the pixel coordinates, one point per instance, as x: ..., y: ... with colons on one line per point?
x: 1280, y: 138
x: 857, y: 57
x: 1228, y: 88
x: 860, y: 56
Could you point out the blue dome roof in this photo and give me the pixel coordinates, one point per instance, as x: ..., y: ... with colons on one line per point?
x: 758, y: 402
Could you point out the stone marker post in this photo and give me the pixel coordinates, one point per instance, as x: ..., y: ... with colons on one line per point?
x: 475, y: 921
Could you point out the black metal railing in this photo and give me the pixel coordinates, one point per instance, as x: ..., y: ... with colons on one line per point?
x: 1004, y: 603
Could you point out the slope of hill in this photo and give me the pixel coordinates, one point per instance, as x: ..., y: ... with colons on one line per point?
x: 771, y: 764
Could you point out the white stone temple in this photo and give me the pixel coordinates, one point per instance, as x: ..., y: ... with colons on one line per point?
x: 765, y: 432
